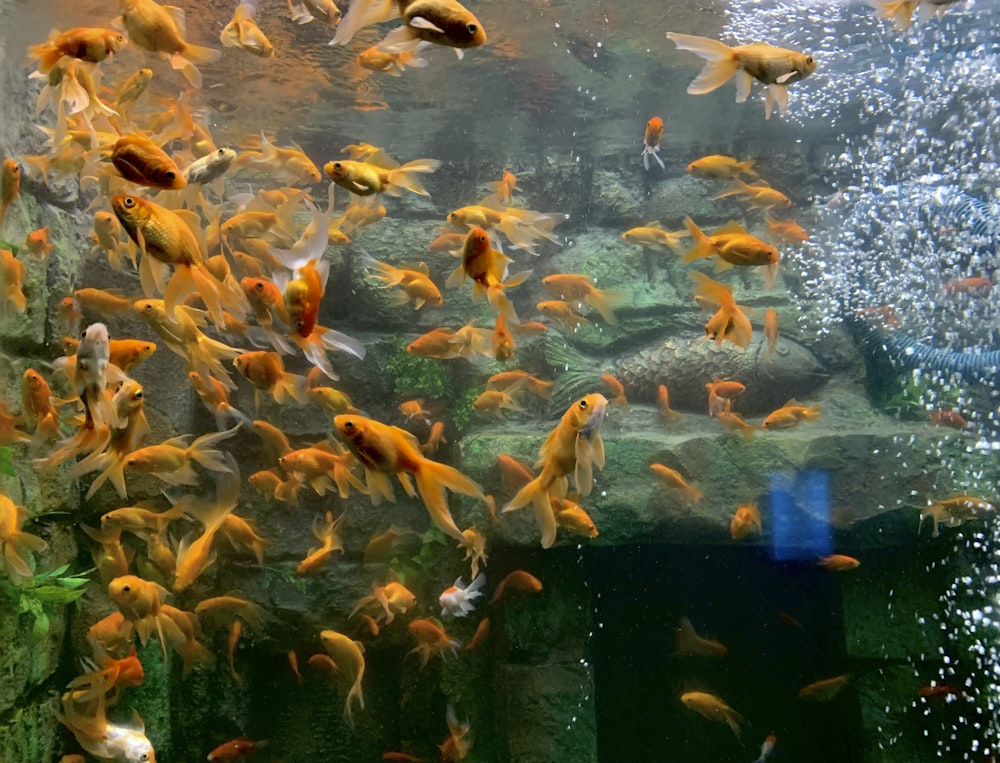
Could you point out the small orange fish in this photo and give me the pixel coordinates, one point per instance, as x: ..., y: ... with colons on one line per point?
x: 940, y: 690
x: 720, y: 167
x: 393, y: 64
x: 562, y: 313
x: 729, y: 323
x: 975, y: 286
x: 731, y: 244
x: 415, y: 282
x: 518, y: 580
x: 502, y: 341
x: 790, y: 414
x: 434, y: 439
x: 787, y: 231
x: 17, y: 544
x: 770, y: 331
x: 947, y: 418
x: 232, y: 642
x: 505, y: 187
x: 487, y: 268
x: 824, y: 690
x: 745, y: 521
x: 235, y: 749
x: 651, y: 142
x: 760, y: 195
x: 524, y: 380
x: 663, y: 403
x: 671, y: 478
x: 432, y: 640
x: 713, y: 708
x: 838, y: 563
x: 721, y: 393
x: 615, y: 390
x: 480, y: 636
x: 37, y: 242
x: 10, y: 186
x: 242, y: 32
x: 348, y: 656
x: 266, y: 371
x: 326, y: 530
x: 365, y: 179
x: 734, y: 422
x: 293, y: 664
x: 578, y: 289
x: 688, y: 643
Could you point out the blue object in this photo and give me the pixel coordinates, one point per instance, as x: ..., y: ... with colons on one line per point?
x: 800, y: 515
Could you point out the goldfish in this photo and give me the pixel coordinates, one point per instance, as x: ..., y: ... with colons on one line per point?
x: 333, y: 400
x: 663, y: 403
x: 304, y: 11
x: 775, y: 67
x: 416, y: 283
x: 651, y: 142
x: 447, y: 242
x: 760, y: 194
x: 319, y: 465
x: 574, y: 445
x: 92, y: 44
x: 824, y: 690
x: 90, y: 375
x: 790, y: 414
x: 480, y: 636
x: 393, y: 64
x: 242, y: 32
x: 770, y: 331
x: 10, y: 186
x: 140, y: 602
x: 214, y: 395
x: 487, y: 268
x: 839, y: 563
x: 457, y: 600
x: 713, y: 708
x: 235, y: 749
x: 615, y: 389
x: 504, y: 188
x: 518, y: 580
x: 15, y: 543
x: 720, y: 167
x: 688, y: 643
x: 524, y: 380
x: 111, y: 741
x: 396, y: 541
x: 365, y: 179
x: 434, y: 439
x: 266, y: 371
x: 241, y: 534
x: 729, y: 323
x: 106, y: 235
x: 40, y: 414
x: 766, y: 748
x: 578, y: 290
x: 103, y: 301
x: 415, y: 409
x: 270, y: 483
x: 456, y: 747
x: 745, y: 521
x: 522, y: 227
x: 502, y: 340
x: 37, y: 243
x: 787, y: 231
x: 732, y: 421
x: 349, y: 658
x: 171, y: 460
x: 900, y: 12
x: 131, y: 90
x: 653, y: 236
x: 720, y: 392
x: 326, y: 530
x: 141, y: 161
x: 9, y: 433
x: 442, y: 22
x: 432, y: 640
x: 384, y: 450
x: 952, y: 512
x: 285, y: 165
x: 210, y: 167
x: 975, y: 286
x: 172, y: 237
x: 108, y: 676
x: 672, y: 479
x: 572, y: 517
x: 153, y: 27
x: 732, y: 244
x: 940, y: 690
x: 495, y: 401
x: 394, y: 599
x: 235, y: 631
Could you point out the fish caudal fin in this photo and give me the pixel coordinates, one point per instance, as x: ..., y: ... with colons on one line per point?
x: 702, y: 243
x: 541, y: 506
x: 405, y: 176
x: 776, y: 94
x: 433, y: 479
x: 721, y: 63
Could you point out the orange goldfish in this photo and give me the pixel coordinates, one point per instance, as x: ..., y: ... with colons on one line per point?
x: 976, y: 286
x: 417, y: 284
x: 507, y: 379
x: 141, y: 161
x: 319, y: 465
x: 775, y: 67
x: 394, y: 599
x: 396, y: 541
x: 663, y: 403
x: 15, y: 543
x: 495, y: 400
x: 432, y: 640
x: 266, y: 371
x: 574, y: 445
x: 456, y: 747
x: 573, y: 518
x: 106, y: 236
x: 384, y: 450
x: 327, y: 531
x: 10, y: 186
x: 688, y: 643
x: 111, y: 741
x: 838, y: 563
x: 242, y: 32
x: 790, y: 414
x: 518, y: 580
x: 235, y: 749
x: 102, y: 301
x: 37, y: 242
x: 40, y: 414
x: 615, y: 389
x: 766, y: 748
x: 900, y: 12
x: 393, y: 64
x: 745, y: 521
x: 487, y: 268
x: 365, y: 179
x: 826, y: 689
x: 651, y: 142
x: 171, y: 460
x: 760, y: 195
x: 447, y: 242
x: 349, y: 658
x: 720, y: 393
x: 502, y: 340
x: 304, y: 11
x: 109, y: 677
x: 720, y: 167
x: 195, y: 556
x: 952, y: 512
x: 729, y: 323
x: 505, y: 187
x: 140, y: 602
x: 713, y: 708
x: 522, y: 227
x: 732, y: 244
x: 579, y: 290
x: 153, y: 27
x: 434, y: 439
x: 653, y: 236
x: 732, y: 421
x: 788, y: 231
x: 480, y: 636
x: 11, y: 278
x: 671, y: 478
x: 92, y: 44
x: 770, y: 331
x: 285, y: 165
x: 442, y: 22
x: 214, y: 395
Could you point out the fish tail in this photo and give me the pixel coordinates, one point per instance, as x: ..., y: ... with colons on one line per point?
x: 188, y: 69
x: 720, y: 66
x: 535, y: 494
x: 577, y: 375
x: 736, y: 188
x: 747, y: 167
x: 405, y: 176
x: 601, y: 301
x: 900, y: 12
x: 203, y: 451
x: 212, y: 292
x: 498, y: 301
x: 292, y: 385
x: 694, y: 494
x: 355, y: 693
x: 48, y: 56
x: 362, y: 13
x: 432, y: 480
x: 702, y: 243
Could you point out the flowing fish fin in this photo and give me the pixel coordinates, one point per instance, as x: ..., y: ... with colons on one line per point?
x: 743, y: 83
x: 721, y: 61
x: 360, y: 14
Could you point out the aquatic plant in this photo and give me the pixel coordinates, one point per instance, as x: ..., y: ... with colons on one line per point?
x: 40, y: 594
x: 461, y: 413
x: 12, y: 248
x: 417, y: 376
x: 7, y: 462
x: 919, y: 392
x: 276, y: 575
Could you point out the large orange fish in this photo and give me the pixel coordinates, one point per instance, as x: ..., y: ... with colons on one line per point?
x: 575, y: 446
x: 141, y: 161
x: 442, y: 22
x: 384, y: 450
x: 488, y: 270
x: 92, y: 44
x: 775, y: 67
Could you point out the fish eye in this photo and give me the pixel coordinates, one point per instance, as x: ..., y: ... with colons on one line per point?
x: 809, y: 60
x: 583, y: 405
x: 259, y: 286
x: 349, y: 426
x: 126, y: 589
x: 221, y: 152
x: 137, y: 395
x: 338, y: 166
x: 128, y: 202
x: 472, y: 28
x: 170, y: 174
x: 144, y: 757
x: 300, y: 324
x: 482, y: 239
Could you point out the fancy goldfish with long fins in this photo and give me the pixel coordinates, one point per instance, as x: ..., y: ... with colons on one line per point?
x: 487, y: 268
x: 651, y: 142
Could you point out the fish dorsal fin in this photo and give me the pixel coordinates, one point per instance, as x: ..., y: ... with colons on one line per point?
x: 491, y: 202
x: 416, y: 267
x: 760, y: 183
x: 177, y: 15
x: 654, y: 224
x: 729, y: 228
x: 193, y: 221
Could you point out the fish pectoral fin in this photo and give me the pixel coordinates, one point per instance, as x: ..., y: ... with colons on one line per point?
x: 743, y: 83
x: 421, y: 23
